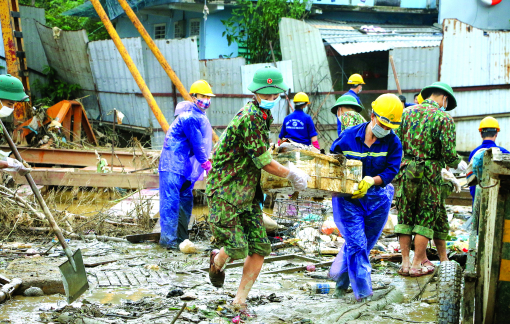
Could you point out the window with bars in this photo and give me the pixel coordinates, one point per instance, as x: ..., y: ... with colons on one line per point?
x: 179, y: 31
x: 160, y: 31
x: 194, y: 27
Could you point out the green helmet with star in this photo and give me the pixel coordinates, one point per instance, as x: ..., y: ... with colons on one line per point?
x: 11, y: 88
x: 268, y: 80
x: 427, y: 91
x: 347, y: 101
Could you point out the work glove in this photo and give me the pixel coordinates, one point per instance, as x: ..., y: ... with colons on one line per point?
x: 448, y: 176
x: 18, y: 166
x: 206, y: 166
x: 363, y: 187
x: 462, y: 167
x: 298, y: 178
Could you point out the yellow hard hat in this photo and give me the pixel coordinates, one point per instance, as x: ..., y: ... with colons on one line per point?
x: 420, y: 99
x: 489, y: 122
x: 388, y: 109
x: 356, y: 79
x: 201, y: 87
x: 301, y: 97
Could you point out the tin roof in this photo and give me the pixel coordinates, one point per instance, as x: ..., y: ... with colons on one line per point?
x: 349, y: 38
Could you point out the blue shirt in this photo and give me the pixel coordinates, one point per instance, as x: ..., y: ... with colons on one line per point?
x: 298, y: 127
x: 485, y: 144
x: 381, y: 159
x: 353, y: 94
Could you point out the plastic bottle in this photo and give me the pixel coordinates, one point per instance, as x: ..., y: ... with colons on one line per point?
x: 320, y: 287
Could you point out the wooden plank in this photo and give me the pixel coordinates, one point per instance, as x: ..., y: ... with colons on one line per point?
x: 301, y: 268
x: 112, y: 277
x: 62, y: 177
x: 81, y: 158
x: 88, y: 179
x: 132, y: 279
x: 122, y: 278
x: 102, y: 279
x: 140, y: 277
x: 143, y: 237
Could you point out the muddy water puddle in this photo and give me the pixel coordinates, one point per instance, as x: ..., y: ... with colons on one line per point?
x: 23, y: 310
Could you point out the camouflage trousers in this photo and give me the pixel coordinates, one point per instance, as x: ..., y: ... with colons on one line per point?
x: 419, y: 208
x: 442, y: 227
x: 240, y: 232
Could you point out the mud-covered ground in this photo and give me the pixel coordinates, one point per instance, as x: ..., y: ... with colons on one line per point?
x: 149, y: 284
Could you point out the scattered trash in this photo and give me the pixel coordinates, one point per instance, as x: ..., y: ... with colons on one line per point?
x: 33, y: 292
x: 329, y: 227
x: 189, y: 296
x: 187, y: 247
x: 310, y: 268
x: 175, y: 293
x: 154, y: 267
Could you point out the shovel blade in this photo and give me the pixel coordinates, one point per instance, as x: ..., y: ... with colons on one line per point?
x: 75, y: 281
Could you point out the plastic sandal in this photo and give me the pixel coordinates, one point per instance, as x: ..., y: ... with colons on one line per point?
x: 430, y: 266
x: 404, y: 273
x: 418, y: 272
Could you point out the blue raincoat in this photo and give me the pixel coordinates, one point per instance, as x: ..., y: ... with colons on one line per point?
x: 361, y: 221
x: 187, y: 145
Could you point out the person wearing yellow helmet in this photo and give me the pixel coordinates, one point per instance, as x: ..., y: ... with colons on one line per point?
x: 11, y: 91
x: 489, y: 129
x: 299, y: 126
x: 429, y: 139
x: 361, y: 218
x: 355, y: 83
x: 184, y: 159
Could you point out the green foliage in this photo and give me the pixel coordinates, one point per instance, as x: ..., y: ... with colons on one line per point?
x: 254, y: 24
x: 54, y: 90
x: 54, y: 18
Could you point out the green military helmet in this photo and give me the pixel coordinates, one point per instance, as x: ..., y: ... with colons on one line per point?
x: 427, y: 91
x: 268, y: 80
x: 347, y: 101
x: 12, y: 89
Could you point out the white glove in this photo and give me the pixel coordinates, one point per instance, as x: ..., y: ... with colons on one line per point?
x: 18, y: 166
x: 297, y: 178
x: 448, y: 176
x: 462, y: 167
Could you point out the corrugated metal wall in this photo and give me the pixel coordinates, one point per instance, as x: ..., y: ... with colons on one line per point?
x: 67, y: 54
x: 416, y: 68
x: 474, y: 57
x: 302, y: 44
x: 115, y: 84
x: 182, y: 55
x: 224, y: 75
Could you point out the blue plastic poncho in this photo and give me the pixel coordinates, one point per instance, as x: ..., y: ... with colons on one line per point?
x: 187, y: 145
x: 360, y: 222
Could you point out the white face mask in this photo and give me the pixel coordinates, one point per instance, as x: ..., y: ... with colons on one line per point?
x: 5, y: 111
x: 361, y: 88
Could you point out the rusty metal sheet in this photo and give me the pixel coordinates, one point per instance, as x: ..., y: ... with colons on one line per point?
x: 474, y: 57
x: 79, y: 158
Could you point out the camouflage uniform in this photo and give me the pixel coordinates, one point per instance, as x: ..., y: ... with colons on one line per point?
x: 427, y: 134
x: 233, y: 185
x: 351, y: 118
x: 442, y: 227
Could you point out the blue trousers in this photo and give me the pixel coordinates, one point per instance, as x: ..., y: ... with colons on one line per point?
x: 360, y: 222
x: 175, y: 206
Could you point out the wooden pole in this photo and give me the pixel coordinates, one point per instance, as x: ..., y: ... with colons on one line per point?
x: 395, y: 74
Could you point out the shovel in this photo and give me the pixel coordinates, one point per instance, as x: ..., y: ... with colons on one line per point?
x: 73, y: 270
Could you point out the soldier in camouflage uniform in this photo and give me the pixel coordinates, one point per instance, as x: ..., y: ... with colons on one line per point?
x: 347, y: 109
x: 428, y: 139
x: 233, y: 187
